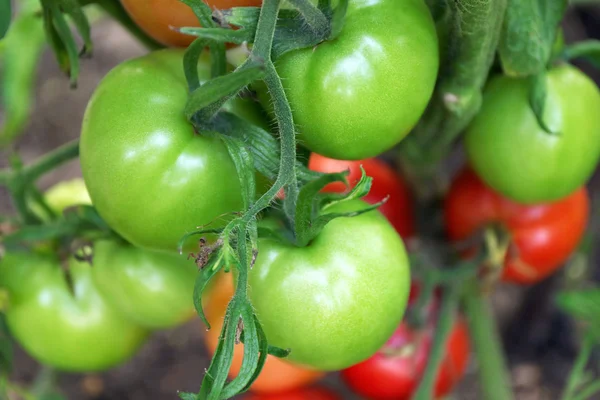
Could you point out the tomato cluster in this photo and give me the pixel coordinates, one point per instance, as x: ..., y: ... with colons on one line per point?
x: 339, y: 301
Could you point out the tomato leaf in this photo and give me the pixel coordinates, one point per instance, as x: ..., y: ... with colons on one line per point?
x: 528, y: 35
x: 5, y: 15
x: 582, y: 305
x: 589, y: 50
x: 537, y: 100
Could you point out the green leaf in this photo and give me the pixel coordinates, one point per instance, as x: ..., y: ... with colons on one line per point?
x: 23, y: 47
x: 215, y: 89
x: 528, y: 35
x: 537, y: 100
x: 5, y: 15
x: 583, y: 305
x: 6, y: 347
x: 589, y: 50
x: 187, y: 396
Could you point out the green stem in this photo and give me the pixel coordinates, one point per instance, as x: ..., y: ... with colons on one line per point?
x: 314, y: 18
x: 442, y: 331
x: 51, y: 160
x: 486, y: 342
x: 579, y: 367
x: 44, y: 383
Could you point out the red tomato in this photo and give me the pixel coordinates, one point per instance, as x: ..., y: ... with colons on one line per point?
x: 156, y: 17
x: 314, y: 393
x: 395, y: 372
x: 543, y: 235
x: 398, y: 209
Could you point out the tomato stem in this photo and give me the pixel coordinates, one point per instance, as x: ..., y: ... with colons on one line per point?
x: 486, y: 342
x: 443, y: 328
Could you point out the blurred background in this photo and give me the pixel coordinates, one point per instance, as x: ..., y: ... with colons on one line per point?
x: 540, y: 341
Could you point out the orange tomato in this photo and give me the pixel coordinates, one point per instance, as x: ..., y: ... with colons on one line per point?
x: 156, y: 17
x: 277, y: 375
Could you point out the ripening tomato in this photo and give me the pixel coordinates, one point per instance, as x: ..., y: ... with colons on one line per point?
x: 278, y: 375
x: 71, y: 328
x: 149, y: 174
x: 386, y: 182
x: 543, y: 235
x: 156, y: 17
x: 337, y: 300
x: 358, y: 95
x: 395, y: 372
x: 313, y: 393
x: 153, y: 289
x: 515, y: 156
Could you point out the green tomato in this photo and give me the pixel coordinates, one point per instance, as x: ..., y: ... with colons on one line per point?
x: 336, y: 301
x: 154, y: 289
x: 358, y: 95
x: 150, y: 176
x: 515, y: 156
x: 69, y: 330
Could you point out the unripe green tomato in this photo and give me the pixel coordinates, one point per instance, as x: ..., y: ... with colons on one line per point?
x: 154, y: 289
x: 335, y: 302
x: 511, y: 152
x: 149, y: 174
x: 360, y: 94
x: 70, y: 330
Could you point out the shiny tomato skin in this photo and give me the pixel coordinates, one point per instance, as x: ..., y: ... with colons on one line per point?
x: 278, y: 375
x: 149, y: 174
x: 360, y: 94
x: 543, y: 235
x: 313, y: 393
x: 509, y: 150
x: 336, y: 301
x: 156, y: 17
x: 386, y: 182
x: 395, y: 372
x: 72, y: 331
x: 153, y: 289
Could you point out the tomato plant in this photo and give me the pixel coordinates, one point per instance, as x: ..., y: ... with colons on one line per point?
x: 183, y: 180
x: 360, y: 94
x: 65, y: 323
x: 395, y: 371
x: 157, y: 18
x: 386, y: 182
x: 277, y: 376
x: 542, y: 236
x: 154, y: 289
x: 336, y: 301
x: 513, y: 154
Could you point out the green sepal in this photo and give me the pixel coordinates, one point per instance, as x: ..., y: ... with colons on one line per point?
x: 244, y: 165
x: 204, y: 276
x: 185, y: 237
x: 222, y: 35
x: 537, y: 100
x: 309, y: 216
x: 190, y: 63
x: 74, y: 10
x: 215, y: 89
